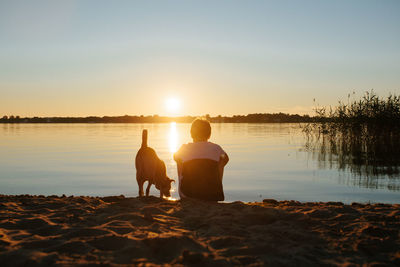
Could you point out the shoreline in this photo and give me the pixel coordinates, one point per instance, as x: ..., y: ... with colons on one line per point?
x: 115, y: 230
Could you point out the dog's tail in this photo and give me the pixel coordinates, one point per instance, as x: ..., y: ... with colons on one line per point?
x: 144, y: 138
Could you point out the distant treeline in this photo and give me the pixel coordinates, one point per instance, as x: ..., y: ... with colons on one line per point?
x: 250, y: 118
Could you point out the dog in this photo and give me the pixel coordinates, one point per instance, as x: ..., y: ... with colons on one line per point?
x: 152, y: 169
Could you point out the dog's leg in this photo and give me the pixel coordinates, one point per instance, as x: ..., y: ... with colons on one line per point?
x: 161, y: 194
x: 140, y: 182
x: 148, y: 189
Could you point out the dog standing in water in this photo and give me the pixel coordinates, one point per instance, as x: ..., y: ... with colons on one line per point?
x: 152, y: 169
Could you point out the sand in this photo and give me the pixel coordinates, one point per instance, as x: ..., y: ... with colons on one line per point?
x: 38, y: 230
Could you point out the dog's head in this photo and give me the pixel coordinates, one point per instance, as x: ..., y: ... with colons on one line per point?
x: 166, y: 186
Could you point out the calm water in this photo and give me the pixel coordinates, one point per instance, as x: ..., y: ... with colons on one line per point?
x: 267, y: 161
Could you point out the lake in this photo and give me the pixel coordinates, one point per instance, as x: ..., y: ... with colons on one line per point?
x: 266, y: 161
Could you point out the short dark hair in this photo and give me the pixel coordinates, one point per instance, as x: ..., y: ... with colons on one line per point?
x: 201, y: 129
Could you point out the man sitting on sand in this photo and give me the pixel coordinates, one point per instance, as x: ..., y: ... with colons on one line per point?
x: 201, y: 165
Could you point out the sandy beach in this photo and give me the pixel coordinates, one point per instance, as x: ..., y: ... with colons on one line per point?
x: 38, y: 230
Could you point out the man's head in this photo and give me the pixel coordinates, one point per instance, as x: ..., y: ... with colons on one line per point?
x: 200, y: 130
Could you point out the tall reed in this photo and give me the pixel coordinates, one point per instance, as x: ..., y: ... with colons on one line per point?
x: 362, y: 136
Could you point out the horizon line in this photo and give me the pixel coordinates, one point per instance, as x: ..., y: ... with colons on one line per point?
x: 157, y: 115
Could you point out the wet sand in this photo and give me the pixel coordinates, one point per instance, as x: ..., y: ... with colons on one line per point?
x: 38, y: 230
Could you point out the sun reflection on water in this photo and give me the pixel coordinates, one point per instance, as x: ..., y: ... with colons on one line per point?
x: 173, y: 138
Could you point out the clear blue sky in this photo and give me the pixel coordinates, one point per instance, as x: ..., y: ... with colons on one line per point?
x: 78, y: 58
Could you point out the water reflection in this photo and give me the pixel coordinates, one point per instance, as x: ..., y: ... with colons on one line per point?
x: 173, y: 138
x: 367, y: 156
x: 98, y: 160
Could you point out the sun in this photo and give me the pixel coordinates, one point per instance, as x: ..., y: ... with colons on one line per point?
x: 173, y: 105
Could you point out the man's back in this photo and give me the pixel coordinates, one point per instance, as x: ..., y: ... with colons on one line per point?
x: 200, y: 176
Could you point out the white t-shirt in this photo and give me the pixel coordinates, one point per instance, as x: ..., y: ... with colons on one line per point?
x: 198, y: 150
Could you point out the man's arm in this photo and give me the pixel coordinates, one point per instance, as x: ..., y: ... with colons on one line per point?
x: 178, y: 164
x: 223, y: 160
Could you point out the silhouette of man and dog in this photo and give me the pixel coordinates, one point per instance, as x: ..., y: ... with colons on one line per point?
x: 200, y: 166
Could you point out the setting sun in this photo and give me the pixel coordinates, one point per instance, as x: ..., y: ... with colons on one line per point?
x: 173, y: 105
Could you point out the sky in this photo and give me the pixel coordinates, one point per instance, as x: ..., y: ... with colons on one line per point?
x: 96, y: 58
